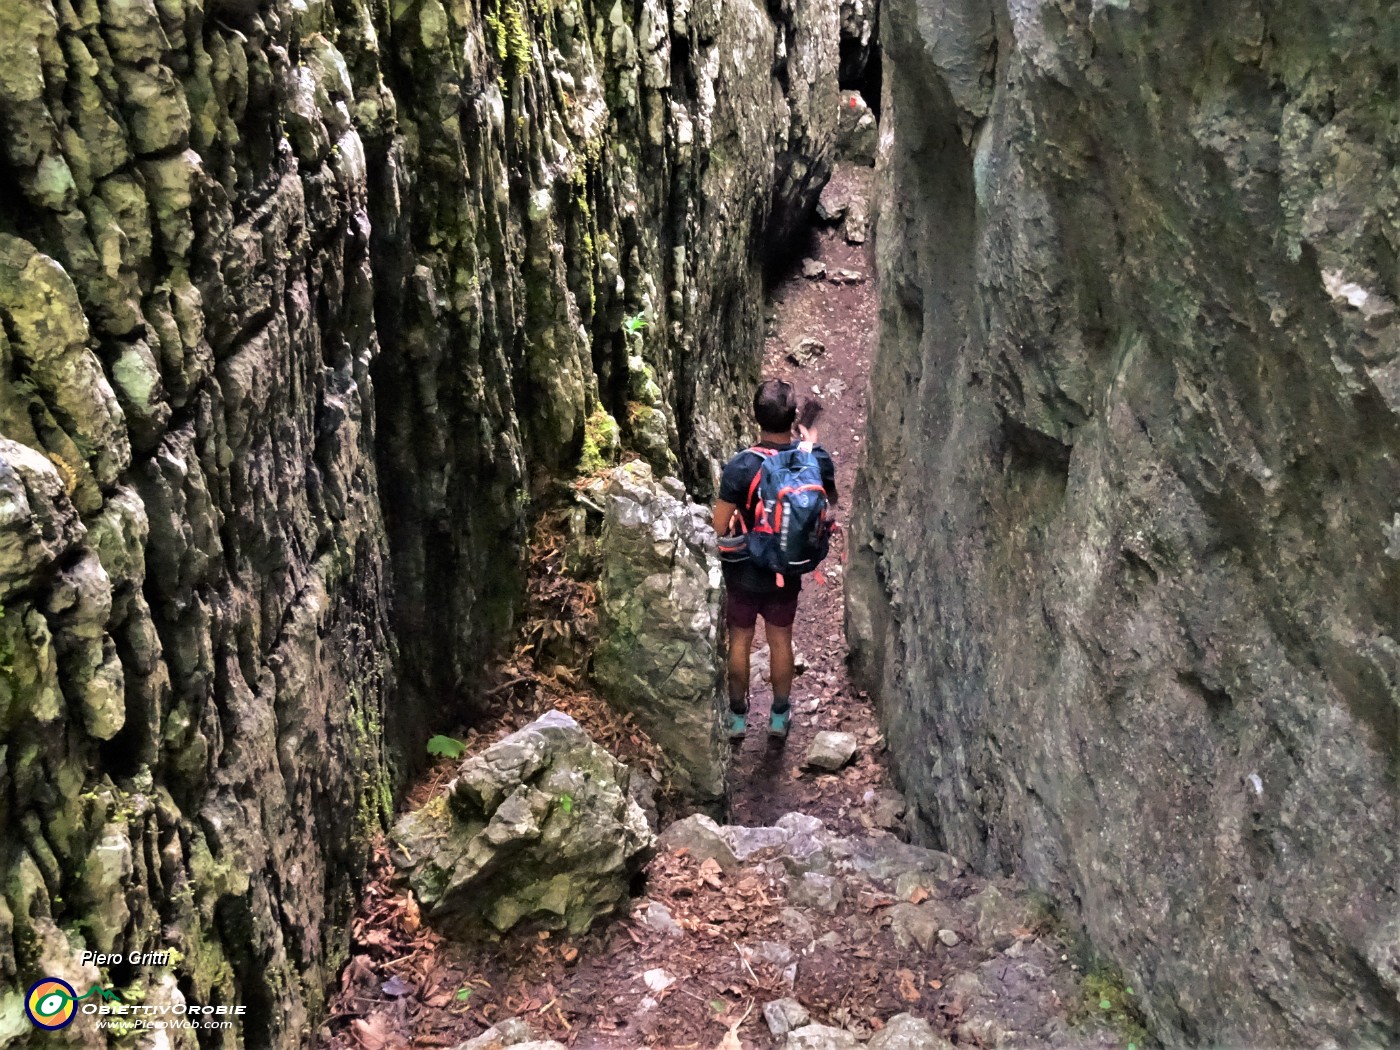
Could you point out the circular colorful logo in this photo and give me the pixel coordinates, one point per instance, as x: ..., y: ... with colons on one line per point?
x: 51, y: 1004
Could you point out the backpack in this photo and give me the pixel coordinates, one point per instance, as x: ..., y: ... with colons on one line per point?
x: 791, y: 531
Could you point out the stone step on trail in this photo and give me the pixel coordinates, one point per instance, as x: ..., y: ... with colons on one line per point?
x: 956, y: 956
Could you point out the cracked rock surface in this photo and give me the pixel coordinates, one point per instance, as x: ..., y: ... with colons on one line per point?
x: 1145, y: 369
x: 300, y: 303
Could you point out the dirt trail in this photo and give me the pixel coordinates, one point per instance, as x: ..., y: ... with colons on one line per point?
x: 811, y: 899
x: 767, y: 781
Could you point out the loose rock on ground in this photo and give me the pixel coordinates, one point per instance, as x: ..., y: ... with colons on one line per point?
x: 539, y: 826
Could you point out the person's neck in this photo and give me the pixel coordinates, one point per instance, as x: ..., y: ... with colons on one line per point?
x: 772, y: 438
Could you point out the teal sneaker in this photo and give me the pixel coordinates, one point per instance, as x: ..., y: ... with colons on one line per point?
x: 736, y: 722
x: 778, y: 724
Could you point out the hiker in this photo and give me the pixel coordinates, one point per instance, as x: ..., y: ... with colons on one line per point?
x: 759, y: 486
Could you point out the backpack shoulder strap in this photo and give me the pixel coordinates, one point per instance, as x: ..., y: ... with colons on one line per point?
x: 763, y: 454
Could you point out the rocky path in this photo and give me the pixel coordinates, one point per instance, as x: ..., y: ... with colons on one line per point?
x: 808, y: 923
x: 827, y: 322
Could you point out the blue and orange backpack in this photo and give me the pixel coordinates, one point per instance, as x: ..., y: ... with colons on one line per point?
x: 792, y: 521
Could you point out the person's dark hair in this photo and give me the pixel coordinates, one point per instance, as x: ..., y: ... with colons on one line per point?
x: 775, y: 406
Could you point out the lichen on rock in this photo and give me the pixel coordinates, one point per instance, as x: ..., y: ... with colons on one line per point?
x: 538, y: 828
x: 301, y: 306
x: 658, y: 602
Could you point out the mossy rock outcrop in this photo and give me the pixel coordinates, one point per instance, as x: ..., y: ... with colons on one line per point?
x: 659, y: 622
x: 539, y: 828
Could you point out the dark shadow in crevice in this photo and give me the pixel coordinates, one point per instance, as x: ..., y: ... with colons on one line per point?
x: 862, y: 69
x: 783, y: 260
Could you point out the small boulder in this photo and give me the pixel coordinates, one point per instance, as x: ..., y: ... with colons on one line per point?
x: 797, y: 926
x: 658, y: 917
x: 832, y: 204
x: 783, y: 1015
x: 702, y: 838
x: 907, y: 1032
x: 820, y: 1037
x: 657, y: 656
x: 801, y: 824
x: 857, y: 224
x: 914, y: 885
x: 813, y: 269
x: 748, y: 841
x: 885, y: 857
x: 658, y: 979
x: 510, y: 1032
x: 913, y: 924
x: 819, y: 892
x: 831, y: 751
x: 538, y: 827
x: 806, y: 350
x: 949, y: 938
x: 886, y: 809
x: 1001, y: 916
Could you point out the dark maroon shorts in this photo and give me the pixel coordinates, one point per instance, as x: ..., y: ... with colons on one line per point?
x: 742, y: 609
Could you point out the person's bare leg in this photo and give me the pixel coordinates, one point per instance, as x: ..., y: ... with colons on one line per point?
x: 740, y: 642
x: 780, y: 663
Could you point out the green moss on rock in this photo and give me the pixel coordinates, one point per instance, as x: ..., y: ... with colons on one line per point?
x: 600, y: 442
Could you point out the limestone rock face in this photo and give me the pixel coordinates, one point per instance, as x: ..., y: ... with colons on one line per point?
x: 1135, y: 588
x: 659, y: 615
x: 537, y: 828
x: 299, y: 302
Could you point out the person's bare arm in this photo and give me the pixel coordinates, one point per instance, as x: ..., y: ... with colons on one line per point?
x: 724, y: 513
x: 807, y: 430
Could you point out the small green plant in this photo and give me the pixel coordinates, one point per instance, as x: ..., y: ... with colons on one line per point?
x: 446, y: 747
x: 464, y: 993
x: 634, y: 324
x: 1107, y: 996
x: 566, y: 802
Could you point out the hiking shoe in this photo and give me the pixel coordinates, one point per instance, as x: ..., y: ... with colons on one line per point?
x: 735, y: 723
x: 778, y: 724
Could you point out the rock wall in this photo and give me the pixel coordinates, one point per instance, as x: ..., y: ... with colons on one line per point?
x: 302, y: 302
x: 1129, y: 585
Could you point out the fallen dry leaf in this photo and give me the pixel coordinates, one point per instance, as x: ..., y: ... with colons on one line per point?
x: 372, y: 1033
x: 731, y: 1037
x: 908, y: 991
x: 710, y: 873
